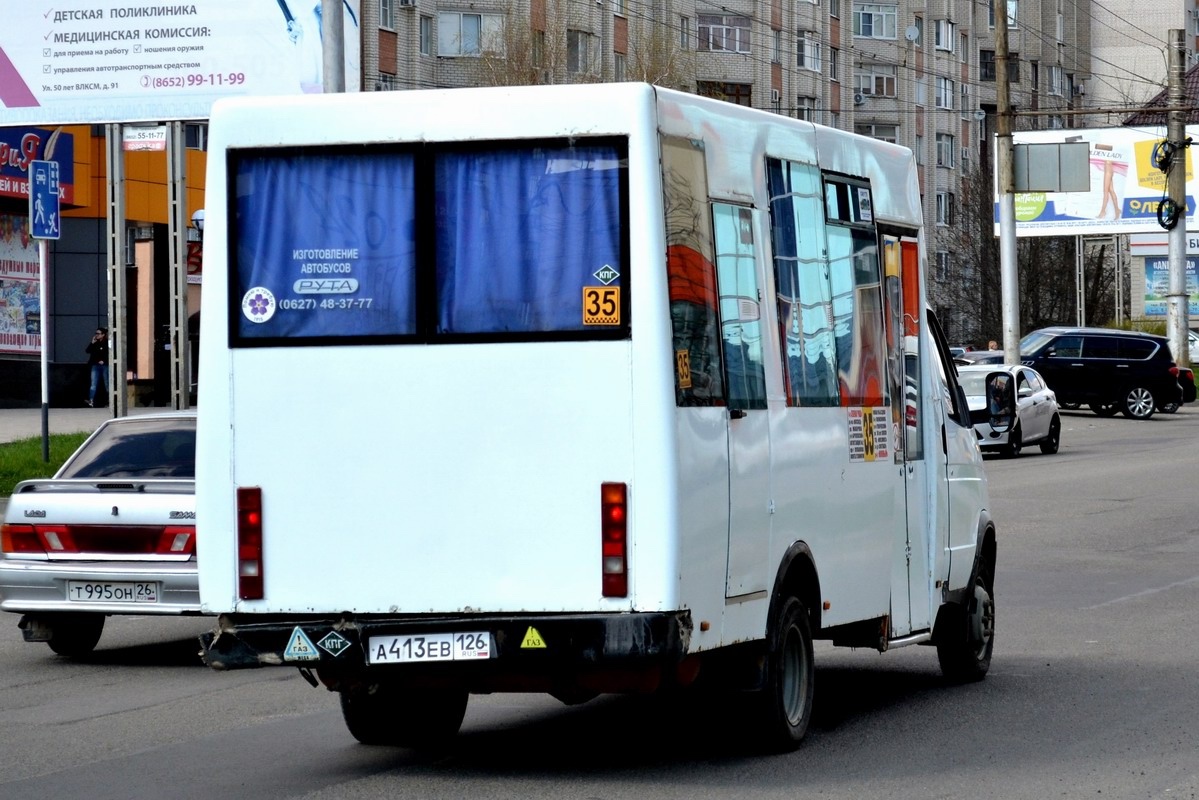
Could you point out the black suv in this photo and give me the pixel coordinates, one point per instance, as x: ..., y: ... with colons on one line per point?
x: 1109, y: 370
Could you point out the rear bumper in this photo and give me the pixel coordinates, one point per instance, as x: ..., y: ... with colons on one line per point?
x: 41, y: 586
x: 527, y: 652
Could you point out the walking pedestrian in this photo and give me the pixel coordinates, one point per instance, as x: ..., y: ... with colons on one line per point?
x: 97, y: 362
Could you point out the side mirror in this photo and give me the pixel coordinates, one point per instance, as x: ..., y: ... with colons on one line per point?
x: 1001, y: 401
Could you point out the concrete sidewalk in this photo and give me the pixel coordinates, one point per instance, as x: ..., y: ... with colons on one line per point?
x: 26, y: 423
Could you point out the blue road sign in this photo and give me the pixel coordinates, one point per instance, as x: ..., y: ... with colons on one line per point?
x: 43, y: 200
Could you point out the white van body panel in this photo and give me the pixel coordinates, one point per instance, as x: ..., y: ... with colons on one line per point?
x: 464, y: 478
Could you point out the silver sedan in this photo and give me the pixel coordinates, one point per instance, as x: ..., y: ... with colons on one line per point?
x: 1036, y: 422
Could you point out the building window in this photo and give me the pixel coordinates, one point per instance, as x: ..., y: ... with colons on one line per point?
x: 426, y: 35
x: 1055, y: 80
x: 886, y: 133
x: 739, y: 93
x: 1061, y: 28
x: 805, y: 108
x: 834, y: 119
x: 919, y: 149
x: 918, y: 24
x: 834, y: 55
x: 943, y: 34
x: 834, y: 8
x: 921, y: 91
x: 387, y: 14
x: 723, y: 33
x: 807, y: 51
x: 684, y: 33
x: 386, y: 83
x: 460, y: 34
x: 874, y: 20
x: 964, y: 49
x: 965, y: 106
x: 876, y: 79
x: 776, y: 101
x: 618, y: 67
x: 1012, y: 8
x: 944, y: 150
x: 195, y: 135
x: 944, y: 208
x: 776, y: 55
x: 942, y: 259
x: 986, y: 66
x: 538, y: 48
x: 577, y: 59
x: 965, y: 158
x: 943, y: 97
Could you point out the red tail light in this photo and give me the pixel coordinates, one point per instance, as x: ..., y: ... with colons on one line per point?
x: 19, y: 539
x: 614, y: 539
x: 249, y: 543
x: 107, y: 540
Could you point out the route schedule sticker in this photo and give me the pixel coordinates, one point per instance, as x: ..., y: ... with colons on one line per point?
x: 601, y: 305
x: 869, y: 434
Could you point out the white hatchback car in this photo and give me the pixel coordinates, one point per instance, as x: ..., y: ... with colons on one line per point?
x: 1037, y: 420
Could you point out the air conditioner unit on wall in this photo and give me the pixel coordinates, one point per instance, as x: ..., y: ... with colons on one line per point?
x: 409, y: 3
x: 859, y: 98
x: 1080, y: 88
x: 775, y: 96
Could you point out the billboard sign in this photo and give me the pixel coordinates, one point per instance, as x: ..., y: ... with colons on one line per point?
x: 147, y: 61
x: 20, y: 147
x: 1126, y: 186
x: 20, y: 295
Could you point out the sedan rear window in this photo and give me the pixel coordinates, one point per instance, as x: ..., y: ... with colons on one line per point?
x: 137, y: 448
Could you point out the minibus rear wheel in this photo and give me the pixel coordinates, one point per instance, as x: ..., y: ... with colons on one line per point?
x: 390, y: 713
x: 786, y: 698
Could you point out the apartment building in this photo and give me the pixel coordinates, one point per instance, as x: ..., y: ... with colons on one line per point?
x: 1129, y: 41
x: 917, y: 72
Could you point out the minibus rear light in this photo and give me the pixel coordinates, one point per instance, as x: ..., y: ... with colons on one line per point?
x: 249, y: 543
x: 614, y: 565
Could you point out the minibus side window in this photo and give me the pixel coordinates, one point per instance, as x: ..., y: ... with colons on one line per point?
x: 801, y: 277
x: 740, y: 307
x: 699, y: 374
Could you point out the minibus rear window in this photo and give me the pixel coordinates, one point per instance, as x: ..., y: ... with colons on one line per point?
x: 431, y: 243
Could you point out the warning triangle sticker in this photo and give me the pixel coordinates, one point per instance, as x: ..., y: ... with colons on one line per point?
x: 532, y: 640
x: 300, y: 648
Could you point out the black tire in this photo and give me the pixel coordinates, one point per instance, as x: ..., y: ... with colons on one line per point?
x: 785, y: 702
x: 387, y: 713
x: 1168, y: 408
x: 1138, y: 403
x: 1069, y: 406
x: 965, y: 645
x: 75, y: 635
x: 1015, y: 442
x: 1105, y: 409
x: 1051, y: 443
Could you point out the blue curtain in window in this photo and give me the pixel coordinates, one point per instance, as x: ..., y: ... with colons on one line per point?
x: 520, y: 233
x: 324, y: 245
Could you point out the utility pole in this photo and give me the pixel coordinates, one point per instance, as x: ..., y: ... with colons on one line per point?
x: 1178, y: 299
x: 1009, y: 276
x: 333, y: 45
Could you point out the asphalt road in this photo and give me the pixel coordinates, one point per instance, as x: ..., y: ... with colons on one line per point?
x: 1092, y: 691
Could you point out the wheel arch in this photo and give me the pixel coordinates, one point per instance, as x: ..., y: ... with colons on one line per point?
x: 797, y: 576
